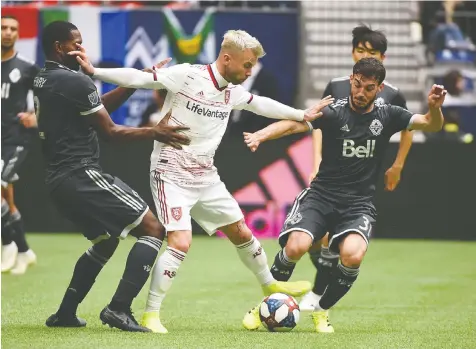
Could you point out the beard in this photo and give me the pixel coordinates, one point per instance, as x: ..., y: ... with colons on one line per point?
x: 70, y: 62
x: 362, y: 108
x: 7, y: 46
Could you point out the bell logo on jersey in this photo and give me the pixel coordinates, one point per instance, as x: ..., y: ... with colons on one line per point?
x: 349, y: 150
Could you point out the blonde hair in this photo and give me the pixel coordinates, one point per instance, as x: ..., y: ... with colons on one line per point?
x: 241, y: 40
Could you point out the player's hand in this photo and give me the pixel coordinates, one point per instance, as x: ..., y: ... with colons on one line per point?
x: 83, y: 60
x: 436, y: 97
x: 252, y: 141
x: 159, y: 65
x: 170, y: 135
x: 392, y: 178
x: 28, y: 120
x: 314, y: 112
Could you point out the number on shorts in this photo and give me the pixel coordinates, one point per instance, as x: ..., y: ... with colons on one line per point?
x: 366, y: 224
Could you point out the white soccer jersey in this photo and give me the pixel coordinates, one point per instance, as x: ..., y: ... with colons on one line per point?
x: 203, y: 103
x: 201, y: 99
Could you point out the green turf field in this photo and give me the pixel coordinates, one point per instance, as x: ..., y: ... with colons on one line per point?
x: 410, y: 294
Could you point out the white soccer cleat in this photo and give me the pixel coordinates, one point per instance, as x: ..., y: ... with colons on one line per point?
x: 9, y: 256
x: 24, y: 260
x: 309, y: 302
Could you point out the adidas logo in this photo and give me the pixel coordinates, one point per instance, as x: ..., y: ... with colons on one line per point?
x: 345, y: 128
x: 200, y: 94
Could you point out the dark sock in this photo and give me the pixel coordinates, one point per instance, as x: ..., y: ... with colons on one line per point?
x: 7, y: 232
x: 341, y: 281
x: 138, y: 266
x: 85, y: 272
x: 283, y: 266
x: 325, y: 262
x: 16, y: 223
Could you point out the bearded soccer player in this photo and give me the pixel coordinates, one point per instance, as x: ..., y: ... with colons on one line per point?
x: 185, y: 184
x: 365, y: 43
x: 355, y: 135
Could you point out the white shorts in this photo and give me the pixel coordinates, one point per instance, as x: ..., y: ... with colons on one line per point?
x: 211, y: 207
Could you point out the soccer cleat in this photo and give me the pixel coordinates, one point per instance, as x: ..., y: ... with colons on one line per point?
x: 123, y: 320
x: 295, y: 289
x: 251, y: 321
x: 24, y: 260
x: 309, y: 302
x: 321, y: 321
x: 71, y: 321
x: 151, y: 320
x: 9, y: 256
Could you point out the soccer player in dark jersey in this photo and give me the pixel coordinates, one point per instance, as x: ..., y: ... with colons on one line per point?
x: 70, y: 112
x: 365, y: 43
x: 17, y: 80
x: 355, y: 135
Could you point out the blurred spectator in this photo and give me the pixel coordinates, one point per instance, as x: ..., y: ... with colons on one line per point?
x: 456, y: 101
x: 150, y: 117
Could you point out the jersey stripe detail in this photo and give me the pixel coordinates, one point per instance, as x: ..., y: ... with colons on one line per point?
x: 249, y: 101
x: 114, y: 190
x: 215, y: 82
x: 90, y: 111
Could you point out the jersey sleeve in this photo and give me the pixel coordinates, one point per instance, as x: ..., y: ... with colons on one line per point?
x: 241, y: 97
x: 82, y: 93
x: 399, y: 119
x: 399, y: 100
x: 32, y: 72
x: 328, y: 90
x: 323, y: 122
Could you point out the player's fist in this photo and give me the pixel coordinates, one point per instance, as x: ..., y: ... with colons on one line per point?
x: 28, y: 120
x: 252, y: 140
x: 170, y: 135
x: 83, y: 60
x: 392, y: 178
x: 436, y: 96
x: 314, y: 112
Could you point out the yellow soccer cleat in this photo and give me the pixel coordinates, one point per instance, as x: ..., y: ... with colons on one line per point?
x: 151, y: 320
x: 251, y: 321
x: 321, y: 321
x: 295, y: 289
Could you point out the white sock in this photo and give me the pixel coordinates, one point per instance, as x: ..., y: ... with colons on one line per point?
x: 253, y: 256
x: 163, y: 274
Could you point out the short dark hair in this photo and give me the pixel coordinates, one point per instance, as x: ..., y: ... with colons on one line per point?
x: 370, y: 68
x: 363, y: 34
x: 56, y: 31
x: 450, y: 82
x: 9, y: 17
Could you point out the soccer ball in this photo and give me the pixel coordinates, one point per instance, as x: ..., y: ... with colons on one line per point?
x: 279, y: 312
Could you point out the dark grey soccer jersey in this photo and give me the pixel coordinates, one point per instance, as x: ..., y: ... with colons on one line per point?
x: 353, y: 148
x: 17, y: 79
x: 340, y: 88
x: 62, y: 99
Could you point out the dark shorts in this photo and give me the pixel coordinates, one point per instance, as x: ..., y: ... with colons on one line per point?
x: 316, y: 216
x: 100, y: 204
x: 12, y: 158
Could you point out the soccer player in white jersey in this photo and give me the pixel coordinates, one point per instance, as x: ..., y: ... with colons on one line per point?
x: 185, y: 184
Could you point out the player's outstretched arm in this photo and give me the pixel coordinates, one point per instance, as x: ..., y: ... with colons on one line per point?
x: 433, y: 120
x: 170, y: 135
x: 112, y: 100
x: 270, y: 108
x: 130, y: 77
x: 274, y: 131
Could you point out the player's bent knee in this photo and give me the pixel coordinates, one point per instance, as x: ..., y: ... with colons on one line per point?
x: 298, y: 244
x: 150, y: 226
x: 352, y: 250
x: 238, y: 233
x: 180, y: 240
